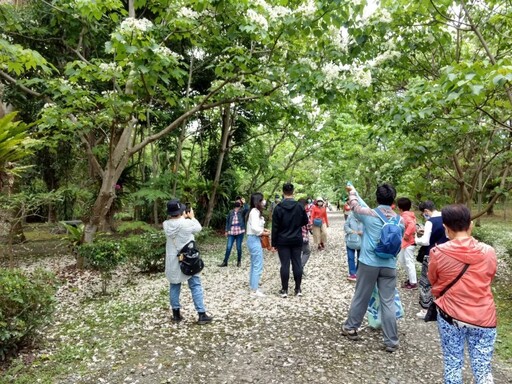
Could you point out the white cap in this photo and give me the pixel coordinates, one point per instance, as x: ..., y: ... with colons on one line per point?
x: 320, y: 199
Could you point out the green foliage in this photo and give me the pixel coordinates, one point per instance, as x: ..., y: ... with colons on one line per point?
x: 26, y: 303
x: 74, y: 235
x: 497, y: 235
x: 14, y: 141
x: 146, y: 252
x: 134, y: 226
x: 104, y: 256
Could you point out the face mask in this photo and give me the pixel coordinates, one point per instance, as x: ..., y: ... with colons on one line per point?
x: 238, y: 204
x: 426, y: 216
x: 320, y: 203
x: 264, y: 203
x: 309, y: 201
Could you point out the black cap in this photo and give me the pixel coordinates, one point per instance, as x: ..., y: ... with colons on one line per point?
x: 175, y: 208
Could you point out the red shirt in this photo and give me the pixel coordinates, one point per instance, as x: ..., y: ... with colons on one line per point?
x: 319, y: 213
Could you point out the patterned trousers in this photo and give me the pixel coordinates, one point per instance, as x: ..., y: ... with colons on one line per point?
x: 480, y: 346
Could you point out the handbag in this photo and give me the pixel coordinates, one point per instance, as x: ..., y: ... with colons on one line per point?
x: 431, y: 314
x: 422, y: 252
x: 373, y: 312
x: 190, y: 259
x: 265, y: 242
x: 317, y: 222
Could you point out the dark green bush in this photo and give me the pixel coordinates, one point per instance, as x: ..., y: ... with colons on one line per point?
x: 104, y: 256
x: 27, y: 301
x: 146, y: 251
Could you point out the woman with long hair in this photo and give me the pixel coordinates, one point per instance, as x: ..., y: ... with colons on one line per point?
x: 256, y: 228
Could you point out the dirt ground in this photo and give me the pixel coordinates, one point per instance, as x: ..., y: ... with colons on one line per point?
x: 263, y: 340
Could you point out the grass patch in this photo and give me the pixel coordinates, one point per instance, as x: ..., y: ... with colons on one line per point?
x: 503, y: 298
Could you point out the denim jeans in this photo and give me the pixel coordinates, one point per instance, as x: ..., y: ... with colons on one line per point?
x: 229, y: 246
x: 480, y: 343
x: 351, y: 258
x: 256, y: 252
x: 194, y: 283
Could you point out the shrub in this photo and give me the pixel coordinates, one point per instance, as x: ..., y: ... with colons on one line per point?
x: 27, y: 302
x: 104, y: 256
x: 146, y: 251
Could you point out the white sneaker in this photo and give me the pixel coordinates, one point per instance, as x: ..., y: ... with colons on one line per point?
x: 258, y: 293
x: 421, y: 314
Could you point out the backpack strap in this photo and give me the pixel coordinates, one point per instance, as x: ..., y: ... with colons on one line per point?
x: 383, y: 217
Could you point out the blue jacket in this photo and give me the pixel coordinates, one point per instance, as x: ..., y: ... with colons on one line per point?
x: 241, y: 217
x: 371, y: 231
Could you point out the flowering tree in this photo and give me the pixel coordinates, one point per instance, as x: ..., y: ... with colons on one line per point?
x: 123, y: 76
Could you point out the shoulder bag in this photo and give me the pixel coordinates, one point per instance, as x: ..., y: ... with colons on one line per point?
x: 432, y: 309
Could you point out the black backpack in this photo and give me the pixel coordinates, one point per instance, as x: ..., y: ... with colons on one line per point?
x: 190, y: 259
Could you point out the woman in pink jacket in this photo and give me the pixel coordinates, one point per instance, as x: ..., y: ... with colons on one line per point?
x: 466, y: 312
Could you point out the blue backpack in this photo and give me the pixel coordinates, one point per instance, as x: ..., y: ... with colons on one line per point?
x: 391, y: 235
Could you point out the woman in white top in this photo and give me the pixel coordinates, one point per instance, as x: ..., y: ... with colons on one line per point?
x: 255, y: 228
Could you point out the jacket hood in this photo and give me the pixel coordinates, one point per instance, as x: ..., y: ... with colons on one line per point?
x: 467, y: 250
x: 288, y: 204
x: 172, y: 226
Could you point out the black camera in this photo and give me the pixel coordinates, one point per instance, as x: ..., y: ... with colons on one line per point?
x: 187, y: 207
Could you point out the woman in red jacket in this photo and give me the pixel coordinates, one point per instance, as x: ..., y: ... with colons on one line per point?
x: 466, y: 312
x: 320, y: 223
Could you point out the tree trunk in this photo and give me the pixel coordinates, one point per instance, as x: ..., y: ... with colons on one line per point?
x: 227, y: 122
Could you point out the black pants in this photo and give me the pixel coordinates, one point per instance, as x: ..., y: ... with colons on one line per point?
x: 293, y: 254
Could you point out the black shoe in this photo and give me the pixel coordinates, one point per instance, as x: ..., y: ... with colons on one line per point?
x: 223, y: 264
x: 283, y: 293
x: 298, y: 292
x: 176, y: 316
x: 239, y: 264
x: 204, y: 318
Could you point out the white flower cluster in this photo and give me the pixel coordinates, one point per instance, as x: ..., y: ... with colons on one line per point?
x: 307, y: 9
x: 142, y: 25
x: 332, y: 71
x: 388, y: 55
x: 385, y: 16
x: 78, y: 4
x: 48, y: 105
x: 188, y: 13
x: 258, y: 19
x: 339, y: 37
x: 278, y: 12
x: 110, y: 67
x: 166, y: 52
x: 362, y: 76
x: 307, y: 61
x: 197, y: 53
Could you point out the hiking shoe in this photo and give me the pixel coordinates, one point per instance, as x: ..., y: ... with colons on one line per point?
x: 351, y: 334
x: 410, y: 286
x: 223, y: 264
x: 405, y: 283
x: 391, y: 348
x: 352, y: 278
x: 283, y: 293
x: 298, y: 292
x: 204, y: 318
x: 238, y: 263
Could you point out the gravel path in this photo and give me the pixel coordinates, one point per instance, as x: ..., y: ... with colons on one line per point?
x: 275, y: 340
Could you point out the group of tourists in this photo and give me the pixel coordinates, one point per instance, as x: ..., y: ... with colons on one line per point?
x: 456, y: 272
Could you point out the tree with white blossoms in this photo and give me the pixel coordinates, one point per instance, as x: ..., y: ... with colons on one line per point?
x: 118, y: 73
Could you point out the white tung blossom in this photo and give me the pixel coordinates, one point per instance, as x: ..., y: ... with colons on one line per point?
x: 388, y: 55
x: 197, y: 53
x: 256, y: 18
x: 362, y: 76
x: 307, y: 9
x: 188, y: 13
x: 385, y: 16
x: 278, y: 12
x: 332, y: 71
x: 164, y: 51
x: 142, y: 25
x: 339, y: 37
x: 307, y: 61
